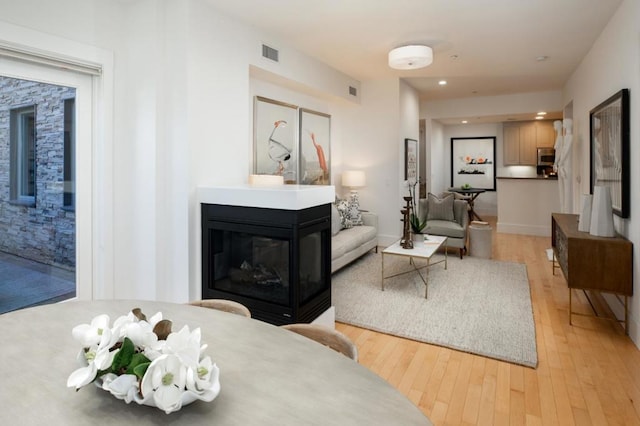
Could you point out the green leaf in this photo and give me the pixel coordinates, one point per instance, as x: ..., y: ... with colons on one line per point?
x: 140, y: 369
x: 123, y: 358
x: 136, y: 360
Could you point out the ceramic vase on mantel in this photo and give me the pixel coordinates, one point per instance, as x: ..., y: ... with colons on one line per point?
x: 602, y: 213
x: 584, y: 222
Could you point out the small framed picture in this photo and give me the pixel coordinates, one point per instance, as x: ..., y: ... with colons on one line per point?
x: 411, y: 159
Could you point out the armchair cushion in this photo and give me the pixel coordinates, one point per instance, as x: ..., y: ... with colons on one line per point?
x: 440, y: 208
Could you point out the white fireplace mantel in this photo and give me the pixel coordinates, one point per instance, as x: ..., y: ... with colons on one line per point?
x: 286, y: 197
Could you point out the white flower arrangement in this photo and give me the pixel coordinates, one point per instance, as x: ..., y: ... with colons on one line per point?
x: 143, y: 361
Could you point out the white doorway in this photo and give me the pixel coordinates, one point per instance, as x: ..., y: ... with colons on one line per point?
x: 84, y: 122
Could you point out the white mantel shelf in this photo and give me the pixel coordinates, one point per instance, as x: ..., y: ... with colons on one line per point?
x: 285, y: 197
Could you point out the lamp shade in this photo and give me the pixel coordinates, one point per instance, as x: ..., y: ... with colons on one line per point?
x: 354, y: 179
x: 410, y: 57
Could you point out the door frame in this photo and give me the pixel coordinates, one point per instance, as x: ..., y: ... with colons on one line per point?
x: 50, y: 59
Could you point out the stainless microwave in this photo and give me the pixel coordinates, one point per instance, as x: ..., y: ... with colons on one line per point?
x: 546, y: 156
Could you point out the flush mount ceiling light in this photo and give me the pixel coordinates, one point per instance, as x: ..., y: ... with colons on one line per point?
x: 410, y: 57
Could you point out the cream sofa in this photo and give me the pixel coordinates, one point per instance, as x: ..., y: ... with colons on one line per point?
x: 349, y: 244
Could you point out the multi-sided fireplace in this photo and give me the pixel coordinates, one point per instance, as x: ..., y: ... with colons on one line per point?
x: 275, y: 261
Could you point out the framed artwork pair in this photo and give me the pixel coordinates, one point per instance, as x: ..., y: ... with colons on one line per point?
x: 291, y: 142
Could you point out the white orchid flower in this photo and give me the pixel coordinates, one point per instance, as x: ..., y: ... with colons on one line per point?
x: 165, y: 379
x: 123, y: 387
x: 185, y: 345
x: 94, y: 357
x: 200, y: 379
x: 91, y: 334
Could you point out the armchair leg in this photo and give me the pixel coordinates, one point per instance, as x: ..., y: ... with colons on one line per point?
x: 461, y: 250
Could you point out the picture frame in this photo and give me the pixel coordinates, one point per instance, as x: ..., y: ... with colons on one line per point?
x: 315, y: 147
x: 473, y: 162
x: 411, y: 159
x: 609, y: 131
x: 275, y: 144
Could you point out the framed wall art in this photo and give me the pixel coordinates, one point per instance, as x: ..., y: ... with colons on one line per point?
x: 315, y: 147
x: 609, y: 134
x: 411, y: 160
x: 473, y: 162
x: 275, y: 139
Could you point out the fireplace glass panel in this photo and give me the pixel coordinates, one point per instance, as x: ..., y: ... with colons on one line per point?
x: 312, y: 279
x: 251, y: 265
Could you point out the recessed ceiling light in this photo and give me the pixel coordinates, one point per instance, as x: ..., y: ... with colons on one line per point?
x: 539, y: 117
x: 464, y: 121
x: 542, y: 113
x: 442, y: 82
x: 541, y: 58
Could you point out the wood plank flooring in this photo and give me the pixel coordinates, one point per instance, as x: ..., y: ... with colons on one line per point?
x: 588, y: 373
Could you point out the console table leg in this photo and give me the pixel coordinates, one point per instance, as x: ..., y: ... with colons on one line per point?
x: 570, y: 309
x: 626, y: 317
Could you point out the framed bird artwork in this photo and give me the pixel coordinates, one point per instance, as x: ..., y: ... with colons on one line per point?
x: 275, y: 139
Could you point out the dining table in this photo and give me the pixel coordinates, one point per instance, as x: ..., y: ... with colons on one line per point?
x: 469, y: 195
x: 268, y: 375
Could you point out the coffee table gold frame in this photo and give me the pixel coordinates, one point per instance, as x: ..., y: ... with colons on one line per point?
x: 422, y: 250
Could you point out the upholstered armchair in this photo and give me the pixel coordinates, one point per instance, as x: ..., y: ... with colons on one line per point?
x: 446, y: 217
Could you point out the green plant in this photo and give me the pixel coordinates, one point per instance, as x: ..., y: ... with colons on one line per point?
x: 416, y: 225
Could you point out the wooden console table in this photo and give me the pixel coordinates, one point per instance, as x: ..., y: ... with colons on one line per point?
x: 592, y: 263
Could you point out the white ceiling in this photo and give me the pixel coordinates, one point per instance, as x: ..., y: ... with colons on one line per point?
x: 481, y: 47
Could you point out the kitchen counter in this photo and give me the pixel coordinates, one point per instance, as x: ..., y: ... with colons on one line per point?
x: 528, y: 177
x: 525, y: 205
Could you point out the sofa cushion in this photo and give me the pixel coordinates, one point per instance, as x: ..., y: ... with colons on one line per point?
x: 445, y: 228
x: 349, y: 212
x: 440, y: 208
x: 336, y: 222
x: 350, y: 238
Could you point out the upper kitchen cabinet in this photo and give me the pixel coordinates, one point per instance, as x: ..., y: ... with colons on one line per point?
x: 521, y: 140
x: 545, y: 134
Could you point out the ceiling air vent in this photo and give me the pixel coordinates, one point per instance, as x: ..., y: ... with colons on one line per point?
x: 353, y: 91
x: 269, y: 53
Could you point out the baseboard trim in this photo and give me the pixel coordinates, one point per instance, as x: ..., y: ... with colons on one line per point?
x: 513, y: 228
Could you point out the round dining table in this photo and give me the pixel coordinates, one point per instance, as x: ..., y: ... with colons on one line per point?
x: 268, y: 375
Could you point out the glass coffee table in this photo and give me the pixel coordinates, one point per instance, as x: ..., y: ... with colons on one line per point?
x: 421, y: 250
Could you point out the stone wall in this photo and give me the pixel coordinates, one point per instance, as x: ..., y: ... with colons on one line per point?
x: 44, y: 232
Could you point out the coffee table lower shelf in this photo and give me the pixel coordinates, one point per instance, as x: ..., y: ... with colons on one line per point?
x: 422, y: 250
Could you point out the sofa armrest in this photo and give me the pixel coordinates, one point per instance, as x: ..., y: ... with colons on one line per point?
x: 370, y: 219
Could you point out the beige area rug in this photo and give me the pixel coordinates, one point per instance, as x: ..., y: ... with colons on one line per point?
x: 476, y: 305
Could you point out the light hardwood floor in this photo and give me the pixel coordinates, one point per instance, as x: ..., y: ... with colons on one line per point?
x: 587, y: 374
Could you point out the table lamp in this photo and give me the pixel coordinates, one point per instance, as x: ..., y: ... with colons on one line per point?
x: 353, y: 179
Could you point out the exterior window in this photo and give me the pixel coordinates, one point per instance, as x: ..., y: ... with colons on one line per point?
x: 69, y: 201
x: 23, y: 155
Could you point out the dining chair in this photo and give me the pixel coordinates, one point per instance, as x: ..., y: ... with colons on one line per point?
x: 326, y: 336
x: 223, y: 305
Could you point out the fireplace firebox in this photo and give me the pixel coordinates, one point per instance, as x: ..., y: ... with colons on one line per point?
x: 276, y: 262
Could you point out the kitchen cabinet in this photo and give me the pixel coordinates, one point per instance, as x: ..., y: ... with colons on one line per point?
x: 522, y: 139
x: 545, y: 134
x: 519, y: 144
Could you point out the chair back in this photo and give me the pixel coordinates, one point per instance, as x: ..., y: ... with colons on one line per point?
x: 223, y: 305
x: 326, y: 336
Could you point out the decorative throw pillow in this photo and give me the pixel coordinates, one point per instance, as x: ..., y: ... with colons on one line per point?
x: 440, y: 208
x: 336, y: 221
x: 349, y: 212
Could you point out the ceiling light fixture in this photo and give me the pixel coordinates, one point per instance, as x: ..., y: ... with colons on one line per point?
x: 442, y: 82
x: 542, y: 113
x: 464, y: 121
x: 539, y: 117
x: 541, y: 58
x: 410, y: 57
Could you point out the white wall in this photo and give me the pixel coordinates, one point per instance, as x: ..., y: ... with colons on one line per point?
x: 613, y: 63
